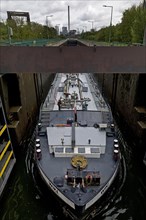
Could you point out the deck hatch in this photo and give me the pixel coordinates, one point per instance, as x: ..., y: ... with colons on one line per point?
x: 82, y: 136
x: 89, y: 141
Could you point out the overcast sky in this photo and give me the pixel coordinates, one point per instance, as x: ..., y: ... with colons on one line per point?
x: 82, y: 12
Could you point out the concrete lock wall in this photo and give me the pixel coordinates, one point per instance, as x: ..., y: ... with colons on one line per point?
x: 22, y: 95
x: 129, y: 101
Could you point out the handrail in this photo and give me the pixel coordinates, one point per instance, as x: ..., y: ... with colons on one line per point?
x: 3, y: 129
x: 6, y: 163
x: 4, y: 150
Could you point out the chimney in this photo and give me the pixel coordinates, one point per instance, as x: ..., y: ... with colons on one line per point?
x: 68, y: 19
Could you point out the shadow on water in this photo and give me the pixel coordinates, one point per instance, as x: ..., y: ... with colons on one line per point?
x: 26, y: 197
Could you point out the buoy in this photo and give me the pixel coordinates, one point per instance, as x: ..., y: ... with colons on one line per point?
x: 116, y: 146
x: 115, y: 141
x: 37, y: 141
x: 39, y: 126
x: 38, y: 154
x: 37, y: 146
x: 116, y: 155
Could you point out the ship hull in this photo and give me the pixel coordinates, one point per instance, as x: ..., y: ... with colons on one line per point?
x: 76, y: 148
x: 90, y: 209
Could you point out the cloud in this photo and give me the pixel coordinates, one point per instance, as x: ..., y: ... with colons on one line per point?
x: 81, y: 11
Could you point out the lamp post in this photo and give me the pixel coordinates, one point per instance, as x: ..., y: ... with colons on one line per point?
x: 109, y: 6
x: 48, y: 16
x: 92, y: 23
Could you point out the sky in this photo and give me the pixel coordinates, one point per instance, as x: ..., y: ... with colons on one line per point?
x: 84, y: 14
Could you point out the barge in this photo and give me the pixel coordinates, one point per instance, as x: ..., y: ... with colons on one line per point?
x: 76, y: 147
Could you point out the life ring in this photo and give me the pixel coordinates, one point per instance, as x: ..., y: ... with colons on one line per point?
x: 79, y: 161
x: 88, y: 179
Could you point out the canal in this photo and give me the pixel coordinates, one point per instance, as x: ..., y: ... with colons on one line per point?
x: 24, y: 199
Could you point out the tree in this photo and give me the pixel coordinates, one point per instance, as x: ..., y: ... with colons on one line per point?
x: 127, y: 24
x: 26, y: 31
x: 139, y: 25
x: 3, y: 31
x: 130, y: 30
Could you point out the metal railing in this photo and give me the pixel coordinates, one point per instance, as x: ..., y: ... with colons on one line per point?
x: 33, y: 42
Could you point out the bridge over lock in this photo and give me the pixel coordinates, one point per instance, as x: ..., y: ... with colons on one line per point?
x: 72, y: 56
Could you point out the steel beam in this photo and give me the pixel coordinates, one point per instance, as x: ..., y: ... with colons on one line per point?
x: 26, y: 59
x: 20, y: 14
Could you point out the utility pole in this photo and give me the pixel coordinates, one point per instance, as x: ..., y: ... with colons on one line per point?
x: 110, y: 30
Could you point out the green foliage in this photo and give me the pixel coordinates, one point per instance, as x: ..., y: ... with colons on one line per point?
x: 24, y: 31
x: 127, y: 24
x: 130, y: 30
x: 139, y: 25
x: 3, y: 31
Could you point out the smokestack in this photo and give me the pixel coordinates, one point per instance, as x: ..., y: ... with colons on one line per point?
x: 68, y: 19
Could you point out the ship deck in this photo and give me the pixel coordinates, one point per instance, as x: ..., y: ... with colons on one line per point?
x: 91, y: 136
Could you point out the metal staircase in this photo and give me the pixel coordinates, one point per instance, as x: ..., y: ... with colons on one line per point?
x: 7, y: 157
